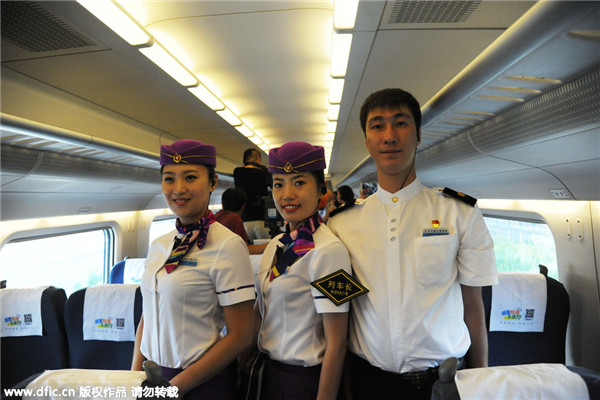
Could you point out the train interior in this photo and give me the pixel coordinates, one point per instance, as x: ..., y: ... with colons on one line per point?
x: 510, y: 96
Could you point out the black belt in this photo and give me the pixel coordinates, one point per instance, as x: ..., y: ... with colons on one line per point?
x: 414, y: 379
x: 419, y: 379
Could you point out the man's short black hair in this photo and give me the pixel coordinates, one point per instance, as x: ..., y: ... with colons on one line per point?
x: 251, y: 155
x: 390, y: 99
x: 233, y: 199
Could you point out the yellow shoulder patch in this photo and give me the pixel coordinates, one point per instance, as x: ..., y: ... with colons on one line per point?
x: 339, y: 287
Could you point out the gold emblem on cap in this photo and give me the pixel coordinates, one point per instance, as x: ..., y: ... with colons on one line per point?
x: 177, y: 158
x: 288, y: 167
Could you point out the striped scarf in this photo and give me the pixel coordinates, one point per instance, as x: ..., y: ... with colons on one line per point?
x: 296, y: 244
x: 194, y: 234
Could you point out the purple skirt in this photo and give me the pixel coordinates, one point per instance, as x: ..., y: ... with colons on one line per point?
x: 289, y: 382
x: 220, y: 387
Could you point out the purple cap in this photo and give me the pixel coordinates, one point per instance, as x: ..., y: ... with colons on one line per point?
x: 188, y: 151
x: 296, y: 157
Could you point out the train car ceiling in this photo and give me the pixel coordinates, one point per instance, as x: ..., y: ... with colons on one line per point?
x: 509, y: 93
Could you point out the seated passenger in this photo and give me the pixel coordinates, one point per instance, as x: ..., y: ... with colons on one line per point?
x: 233, y: 201
x: 197, y: 280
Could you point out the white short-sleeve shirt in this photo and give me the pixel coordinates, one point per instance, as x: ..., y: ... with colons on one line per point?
x: 183, y: 314
x: 292, y: 324
x: 412, y: 249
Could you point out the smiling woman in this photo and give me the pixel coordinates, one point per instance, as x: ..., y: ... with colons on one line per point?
x: 511, y: 119
x: 192, y: 282
x: 310, y: 364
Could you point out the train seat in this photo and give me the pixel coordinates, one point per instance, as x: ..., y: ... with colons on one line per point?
x: 101, y: 322
x: 525, y: 347
x: 129, y: 270
x: 23, y: 356
x: 525, y: 381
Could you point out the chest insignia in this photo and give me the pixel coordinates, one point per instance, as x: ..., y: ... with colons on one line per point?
x: 339, y: 287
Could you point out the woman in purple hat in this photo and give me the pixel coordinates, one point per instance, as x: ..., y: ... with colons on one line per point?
x: 198, y: 279
x: 302, y: 331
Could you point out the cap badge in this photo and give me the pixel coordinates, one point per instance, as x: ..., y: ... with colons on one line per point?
x: 177, y: 158
x: 288, y: 167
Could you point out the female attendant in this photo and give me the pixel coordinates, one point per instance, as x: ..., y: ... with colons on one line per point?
x: 198, y: 279
x: 302, y: 332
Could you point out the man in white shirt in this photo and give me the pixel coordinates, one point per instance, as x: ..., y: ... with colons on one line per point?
x: 423, y: 255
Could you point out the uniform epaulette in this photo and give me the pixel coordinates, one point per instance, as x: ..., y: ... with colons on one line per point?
x: 341, y: 208
x: 460, y: 196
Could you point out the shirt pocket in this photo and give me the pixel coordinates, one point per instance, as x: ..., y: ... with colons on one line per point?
x: 435, y: 257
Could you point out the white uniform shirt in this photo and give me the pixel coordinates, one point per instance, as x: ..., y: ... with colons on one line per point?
x: 183, y: 314
x: 292, y: 327
x: 412, y: 317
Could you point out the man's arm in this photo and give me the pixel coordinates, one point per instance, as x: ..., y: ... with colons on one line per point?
x: 474, y: 316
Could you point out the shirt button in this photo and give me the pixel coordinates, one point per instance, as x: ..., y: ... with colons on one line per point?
x: 393, y: 230
x: 393, y: 238
x: 393, y: 221
x: 395, y: 199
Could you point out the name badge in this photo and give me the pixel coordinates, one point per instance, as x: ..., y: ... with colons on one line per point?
x: 190, y: 262
x: 435, y: 232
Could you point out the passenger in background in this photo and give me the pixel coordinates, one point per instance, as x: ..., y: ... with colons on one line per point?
x: 233, y: 201
x: 198, y: 280
x: 302, y: 331
x: 254, y: 179
x: 424, y: 257
x: 344, y: 197
x: 325, y: 204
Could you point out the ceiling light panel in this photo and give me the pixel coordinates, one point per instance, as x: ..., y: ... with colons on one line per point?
x: 340, y: 52
x: 207, y: 97
x: 336, y: 89
x: 161, y: 57
x: 230, y: 117
x: 344, y: 14
x: 117, y: 20
x: 212, y: 33
x: 244, y: 130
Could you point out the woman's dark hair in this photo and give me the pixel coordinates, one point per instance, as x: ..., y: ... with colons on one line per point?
x: 320, y: 177
x: 233, y: 199
x: 346, y: 193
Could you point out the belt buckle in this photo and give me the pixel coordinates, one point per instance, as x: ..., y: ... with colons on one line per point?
x: 415, y: 379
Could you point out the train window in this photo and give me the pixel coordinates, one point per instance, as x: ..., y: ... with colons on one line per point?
x: 161, y: 226
x: 69, y: 261
x: 520, y: 246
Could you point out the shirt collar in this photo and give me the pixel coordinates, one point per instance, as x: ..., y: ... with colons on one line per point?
x: 404, y: 194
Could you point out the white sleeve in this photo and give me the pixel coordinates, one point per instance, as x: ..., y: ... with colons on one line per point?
x: 326, y: 260
x: 232, y: 272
